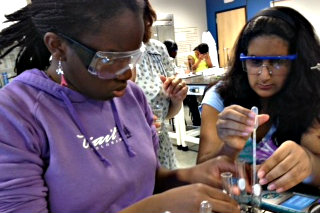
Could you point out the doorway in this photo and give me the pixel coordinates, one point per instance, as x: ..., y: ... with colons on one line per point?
x: 229, y: 25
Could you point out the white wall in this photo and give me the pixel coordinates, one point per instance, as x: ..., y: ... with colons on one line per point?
x: 309, y: 8
x: 190, y: 21
x: 187, y: 13
x: 8, y: 7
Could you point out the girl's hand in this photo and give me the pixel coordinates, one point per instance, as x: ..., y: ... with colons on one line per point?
x: 155, y: 123
x: 204, y: 182
x: 175, y: 200
x: 289, y: 165
x: 175, y: 88
x: 209, y: 171
x: 202, y: 57
x: 235, y: 124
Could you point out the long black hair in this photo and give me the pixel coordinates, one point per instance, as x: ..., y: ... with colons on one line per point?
x: 297, y: 105
x: 71, y: 17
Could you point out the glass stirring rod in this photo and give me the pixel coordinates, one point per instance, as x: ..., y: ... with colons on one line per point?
x: 256, y: 186
x: 254, y: 145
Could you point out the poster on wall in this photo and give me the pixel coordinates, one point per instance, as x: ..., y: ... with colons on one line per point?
x: 187, y: 39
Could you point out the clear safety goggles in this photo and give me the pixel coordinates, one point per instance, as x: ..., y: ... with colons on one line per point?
x: 105, y: 65
x: 276, y: 65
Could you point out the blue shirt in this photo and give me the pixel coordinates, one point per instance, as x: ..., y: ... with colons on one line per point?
x: 265, y: 148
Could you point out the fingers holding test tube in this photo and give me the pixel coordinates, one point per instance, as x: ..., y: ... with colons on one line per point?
x: 200, y: 198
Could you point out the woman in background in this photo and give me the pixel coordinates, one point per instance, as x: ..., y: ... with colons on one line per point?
x: 155, y: 76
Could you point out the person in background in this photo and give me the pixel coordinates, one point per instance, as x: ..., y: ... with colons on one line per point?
x: 192, y: 102
x: 270, y: 70
x: 172, y: 48
x: 155, y: 75
x: 200, y: 60
x: 76, y: 134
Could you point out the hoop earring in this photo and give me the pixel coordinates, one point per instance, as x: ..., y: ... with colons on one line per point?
x: 59, y: 70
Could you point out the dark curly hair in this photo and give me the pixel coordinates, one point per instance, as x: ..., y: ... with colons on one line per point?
x: 172, y: 47
x: 71, y: 17
x: 202, y: 48
x: 297, y: 105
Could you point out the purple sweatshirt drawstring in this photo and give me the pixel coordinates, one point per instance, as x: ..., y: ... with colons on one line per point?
x: 74, y: 116
x: 120, y: 129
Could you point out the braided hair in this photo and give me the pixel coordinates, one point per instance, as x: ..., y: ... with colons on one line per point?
x: 72, y: 17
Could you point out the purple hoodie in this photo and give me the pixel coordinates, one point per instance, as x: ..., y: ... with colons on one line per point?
x: 63, y: 152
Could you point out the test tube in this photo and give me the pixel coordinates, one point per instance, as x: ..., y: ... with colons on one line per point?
x: 256, y: 197
x: 242, y: 178
x: 227, y: 182
x: 205, y: 207
x: 244, y: 198
x: 158, y: 111
x: 241, y: 174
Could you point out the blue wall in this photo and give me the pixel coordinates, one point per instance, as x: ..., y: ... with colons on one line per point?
x: 214, y: 6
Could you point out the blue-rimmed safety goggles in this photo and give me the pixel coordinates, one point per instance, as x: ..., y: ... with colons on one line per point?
x: 253, y: 64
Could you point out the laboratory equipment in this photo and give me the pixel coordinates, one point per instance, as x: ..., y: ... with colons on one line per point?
x: 256, y: 187
x: 290, y: 202
x: 205, y: 207
x: 227, y: 182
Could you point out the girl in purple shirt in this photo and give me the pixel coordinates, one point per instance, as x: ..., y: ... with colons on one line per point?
x: 75, y: 134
